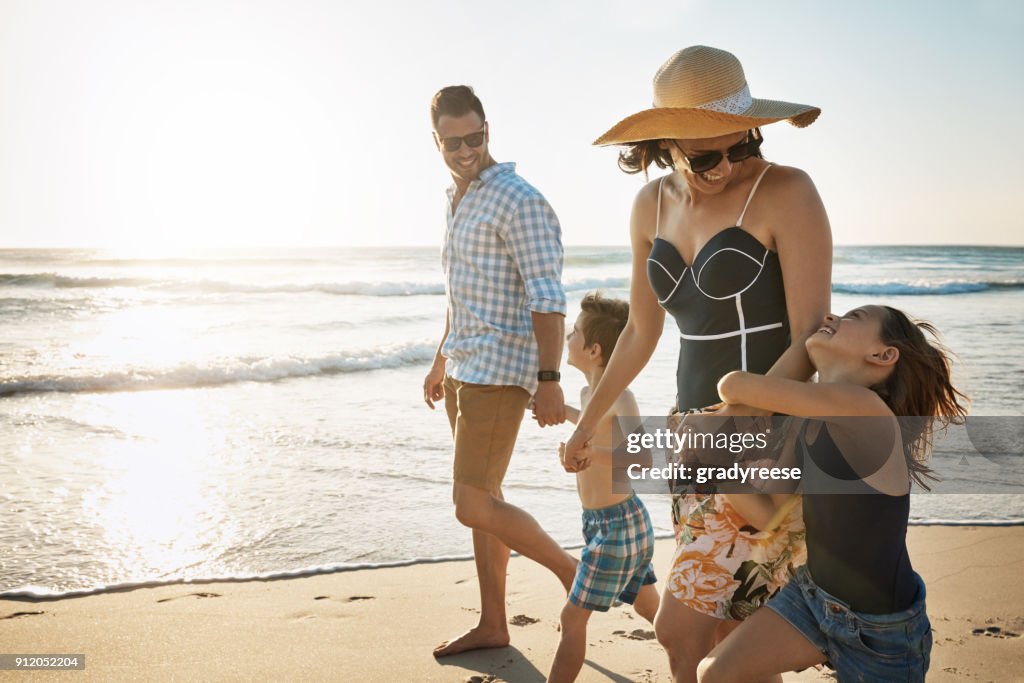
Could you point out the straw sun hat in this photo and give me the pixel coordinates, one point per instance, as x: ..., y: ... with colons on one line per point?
x: 701, y: 92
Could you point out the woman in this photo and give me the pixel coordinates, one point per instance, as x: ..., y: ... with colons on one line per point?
x: 857, y: 604
x: 739, y: 252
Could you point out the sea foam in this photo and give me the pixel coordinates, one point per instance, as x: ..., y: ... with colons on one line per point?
x: 221, y: 372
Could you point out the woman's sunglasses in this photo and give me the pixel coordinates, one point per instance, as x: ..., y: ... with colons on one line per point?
x: 453, y: 143
x: 741, y: 151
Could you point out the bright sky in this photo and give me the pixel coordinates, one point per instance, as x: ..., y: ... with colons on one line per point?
x: 305, y: 122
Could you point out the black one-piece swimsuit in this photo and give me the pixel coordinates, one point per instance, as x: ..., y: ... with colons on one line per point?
x: 729, y: 305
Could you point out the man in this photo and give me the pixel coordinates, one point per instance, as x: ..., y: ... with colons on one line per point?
x: 502, y: 342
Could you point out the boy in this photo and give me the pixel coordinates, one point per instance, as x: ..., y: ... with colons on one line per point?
x: 616, y: 562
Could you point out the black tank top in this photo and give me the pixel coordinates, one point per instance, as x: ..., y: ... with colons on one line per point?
x: 729, y: 305
x: 856, y: 543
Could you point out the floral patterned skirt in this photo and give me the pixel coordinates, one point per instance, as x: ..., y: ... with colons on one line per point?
x: 722, y: 566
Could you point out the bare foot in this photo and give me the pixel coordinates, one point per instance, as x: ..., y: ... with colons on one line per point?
x: 473, y: 639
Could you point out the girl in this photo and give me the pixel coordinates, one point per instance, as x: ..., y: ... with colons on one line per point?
x: 857, y: 604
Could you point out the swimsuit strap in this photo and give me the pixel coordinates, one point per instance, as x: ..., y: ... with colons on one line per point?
x: 739, y: 221
x: 657, y: 218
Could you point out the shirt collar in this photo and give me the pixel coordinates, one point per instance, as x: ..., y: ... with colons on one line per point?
x: 487, y: 175
x: 496, y: 170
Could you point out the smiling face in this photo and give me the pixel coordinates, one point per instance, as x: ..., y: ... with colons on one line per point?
x: 850, y: 340
x: 713, y: 180
x: 465, y: 163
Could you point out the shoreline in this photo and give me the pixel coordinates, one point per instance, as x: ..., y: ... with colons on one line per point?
x: 381, y: 624
x: 30, y: 596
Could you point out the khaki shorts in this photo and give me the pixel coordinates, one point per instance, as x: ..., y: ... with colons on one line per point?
x: 485, y: 421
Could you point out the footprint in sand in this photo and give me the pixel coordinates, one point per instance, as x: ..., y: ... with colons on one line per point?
x: 636, y: 634
x: 522, y: 620
x: 994, y: 632
x: 192, y: 595
x: 21, y: 614
x: 960, y: 673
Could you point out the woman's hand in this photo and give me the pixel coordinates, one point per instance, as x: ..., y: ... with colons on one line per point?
x: 575, y: 453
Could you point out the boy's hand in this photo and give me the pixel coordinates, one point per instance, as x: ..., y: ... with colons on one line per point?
x: 579, y: 465
x: 576, y: 453
x: 571, y: 414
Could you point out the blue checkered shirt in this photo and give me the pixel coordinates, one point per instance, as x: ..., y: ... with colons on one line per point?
x: 502, y: 259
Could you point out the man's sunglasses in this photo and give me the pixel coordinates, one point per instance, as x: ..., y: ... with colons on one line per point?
x: 741, y: 151
x: 453, y: 143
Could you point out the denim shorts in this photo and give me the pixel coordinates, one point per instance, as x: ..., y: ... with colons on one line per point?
x: 860, y: 647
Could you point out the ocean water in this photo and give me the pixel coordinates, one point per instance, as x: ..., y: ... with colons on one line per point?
x: 231, y: 414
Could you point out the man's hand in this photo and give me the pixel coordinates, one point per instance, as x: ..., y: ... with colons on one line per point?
x: 549, y: 404
x: 433, y: 385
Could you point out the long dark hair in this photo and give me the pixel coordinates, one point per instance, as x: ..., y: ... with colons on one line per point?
x: 919, y: 387
x: 638, y: 156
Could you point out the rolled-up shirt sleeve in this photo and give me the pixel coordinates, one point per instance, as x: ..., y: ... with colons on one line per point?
x: 534, y: 240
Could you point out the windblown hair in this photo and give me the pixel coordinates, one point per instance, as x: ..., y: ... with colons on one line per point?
x: 603, y: 322
x: 638, y: 156
x: 919, y: 387
x: 455, y: 100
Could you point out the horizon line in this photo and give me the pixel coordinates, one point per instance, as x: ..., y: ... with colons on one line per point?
x: 436, y: 245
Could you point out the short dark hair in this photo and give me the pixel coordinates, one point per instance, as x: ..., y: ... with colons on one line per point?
x: 603, y: 322
x: 455, y: 100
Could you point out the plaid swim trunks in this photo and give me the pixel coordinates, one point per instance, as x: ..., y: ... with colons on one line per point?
x: 616, y: 562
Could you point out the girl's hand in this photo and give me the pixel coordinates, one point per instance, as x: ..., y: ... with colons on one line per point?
x: 735, y: 410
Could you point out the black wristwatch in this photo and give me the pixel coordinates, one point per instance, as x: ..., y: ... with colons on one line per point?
x: 549, y: 376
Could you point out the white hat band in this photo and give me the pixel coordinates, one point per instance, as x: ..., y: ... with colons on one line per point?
x: 737, y: 103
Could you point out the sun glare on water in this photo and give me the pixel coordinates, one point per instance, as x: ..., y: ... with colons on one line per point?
x: 143, y: 337
x: 158, y: 509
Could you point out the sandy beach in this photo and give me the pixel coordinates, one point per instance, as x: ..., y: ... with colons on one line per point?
x: 381, y: 624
